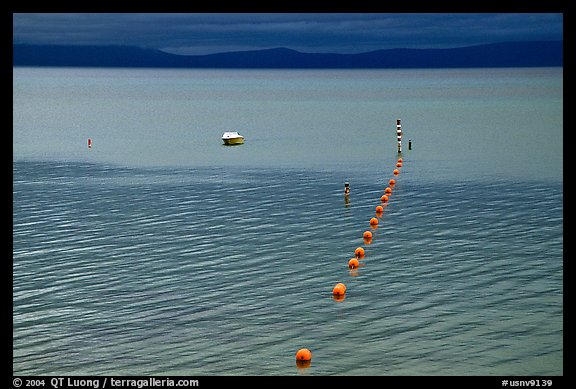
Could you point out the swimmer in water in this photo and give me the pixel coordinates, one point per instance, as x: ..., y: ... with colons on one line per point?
x: 346, y: 189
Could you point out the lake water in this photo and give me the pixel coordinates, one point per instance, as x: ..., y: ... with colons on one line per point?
x: 159, y: 251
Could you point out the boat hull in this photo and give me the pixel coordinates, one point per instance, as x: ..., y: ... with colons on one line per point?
x: 233, y: 141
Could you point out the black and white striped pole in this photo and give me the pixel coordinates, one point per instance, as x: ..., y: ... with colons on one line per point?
x: 399, y: 135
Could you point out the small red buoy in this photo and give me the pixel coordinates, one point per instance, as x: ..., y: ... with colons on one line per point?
x: 396, y: 172
x: 303, y: 355
x: 388, y: 190
x: 359, y: 252
x: 392, y: 182
x: 384, y: 199
x: 339, y: 289
x: 399, y: 164
x: 89, y: 143
x: 379, y: 209
x: 367, y: 235
x: 373, y: 221
x: 353, y: 263
x: 400, y: 160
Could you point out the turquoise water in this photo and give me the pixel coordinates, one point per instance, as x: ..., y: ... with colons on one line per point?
x: 160, y: 251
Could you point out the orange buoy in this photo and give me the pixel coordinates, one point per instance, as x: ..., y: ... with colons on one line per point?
x: 339, y: 289
x: 399, y: 164
x: 379, y: 209
x: 353, y: 263
x: 373, y: 221
x: 384, y: 199
x: 388, y: 190
x: 396, y: 172
x: 367, y: 235
x: 400, y: 160
x: 359, y: 252
x: 303, y: 355
x: 392, y: 182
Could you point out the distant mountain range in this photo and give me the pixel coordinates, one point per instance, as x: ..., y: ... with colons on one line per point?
x: 511, y: 54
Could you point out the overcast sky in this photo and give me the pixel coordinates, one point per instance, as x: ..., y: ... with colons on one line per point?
x: 205, y: 33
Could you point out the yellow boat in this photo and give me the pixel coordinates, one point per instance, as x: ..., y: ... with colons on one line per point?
x: 232, y: 138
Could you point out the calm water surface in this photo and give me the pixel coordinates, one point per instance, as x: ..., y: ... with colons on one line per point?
x: 162, y: 252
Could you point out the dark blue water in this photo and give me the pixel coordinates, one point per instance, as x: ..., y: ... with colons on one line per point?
x: 125, y: 266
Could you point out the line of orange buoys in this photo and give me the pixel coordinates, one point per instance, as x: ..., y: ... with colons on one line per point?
x: 304, y: 356
x: 359, y: 253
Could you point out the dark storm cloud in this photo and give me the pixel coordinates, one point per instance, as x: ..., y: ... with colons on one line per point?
x: 308, y: 32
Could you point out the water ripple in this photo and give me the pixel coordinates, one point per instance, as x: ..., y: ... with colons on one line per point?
x: 179, y: 271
